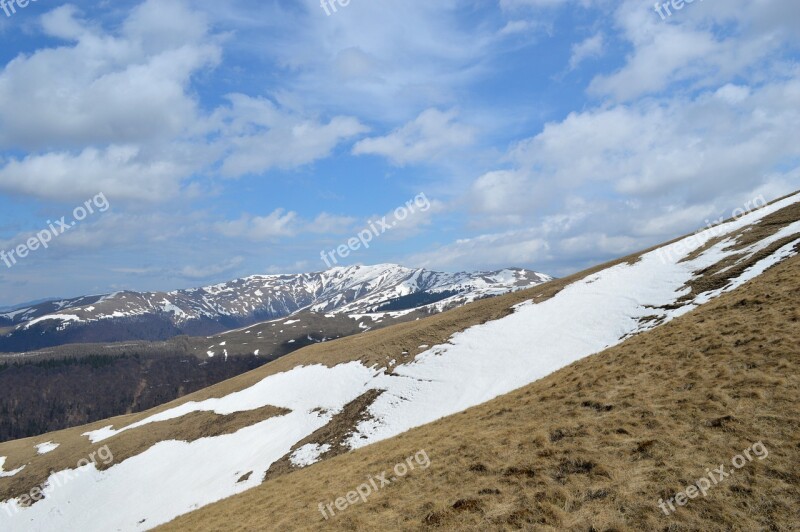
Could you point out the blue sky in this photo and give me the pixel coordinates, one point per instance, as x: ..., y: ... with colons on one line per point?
x: 243, y: 137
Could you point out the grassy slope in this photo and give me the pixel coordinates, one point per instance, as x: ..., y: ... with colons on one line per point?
x: 593, y: 446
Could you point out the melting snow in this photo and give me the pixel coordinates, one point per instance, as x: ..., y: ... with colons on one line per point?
x: 11, y: 315
x: 168, y: 307
x: 7, y: 474
x: 308, y: 454
x: 63, y: 317
x: 44, y: 448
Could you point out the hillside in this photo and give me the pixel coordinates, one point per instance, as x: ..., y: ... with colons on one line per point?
x: 593, y: 446
x: 328, y: 399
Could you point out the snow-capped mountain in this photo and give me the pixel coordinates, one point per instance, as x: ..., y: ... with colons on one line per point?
x: 340, y: 396
x: 161, y: 315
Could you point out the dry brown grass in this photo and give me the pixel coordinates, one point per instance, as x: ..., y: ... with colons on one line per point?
x: 593, y: 446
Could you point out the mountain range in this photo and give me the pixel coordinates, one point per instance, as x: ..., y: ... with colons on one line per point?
x: 354, y: 290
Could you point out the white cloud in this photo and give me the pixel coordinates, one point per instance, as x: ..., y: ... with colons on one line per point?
x: 629, y: 176
x: 326, y: 223
x: 211, y: 270
x: 300, y: 266
x: 429, y: 137
x: 124, y: 172
x: 109, y: 112
x: 121, y: 88
x: 362, y: 57
x: 591, y: 47
x: 117, y: 111
x: 502, y: 191
x: 511, y: 5
x: 490, y: 251
x: 699, y: 118
x: 260, y: 136
x: 690, y: 47
x: 679, y: 146
x: 277, y: 224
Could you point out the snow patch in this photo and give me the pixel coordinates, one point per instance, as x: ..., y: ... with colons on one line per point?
x: 44, y: 448
x: 308, y: 454
x: 65, y: 318
x: 7, y: 474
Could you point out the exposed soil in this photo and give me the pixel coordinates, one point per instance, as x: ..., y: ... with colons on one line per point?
x: 335, y: 434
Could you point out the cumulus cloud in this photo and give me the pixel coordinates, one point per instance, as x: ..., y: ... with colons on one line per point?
x: 326, y: 223
x: 677, y: 148
x: 690, y: 48
x: 261, y: 136
x: 279, y: 223
x: 490, y: 251
x: 429, y: 137
x: 695, y: 118
x: 117, y: 111
x: 206, y: 271
x: 125, y: 172
x: 98, y: 87
x: 591, y: 47
x: 629, y: 176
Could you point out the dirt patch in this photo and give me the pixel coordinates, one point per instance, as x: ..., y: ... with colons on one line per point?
x: 334, y: 434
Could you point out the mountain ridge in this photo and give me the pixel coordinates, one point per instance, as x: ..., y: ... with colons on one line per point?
x: 128, y: 315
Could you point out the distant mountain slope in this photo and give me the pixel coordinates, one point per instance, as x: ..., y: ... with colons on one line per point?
x: 126, y: 316
x: 331, y: 398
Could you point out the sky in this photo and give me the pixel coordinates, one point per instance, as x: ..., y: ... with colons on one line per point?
x: 185, y: 143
